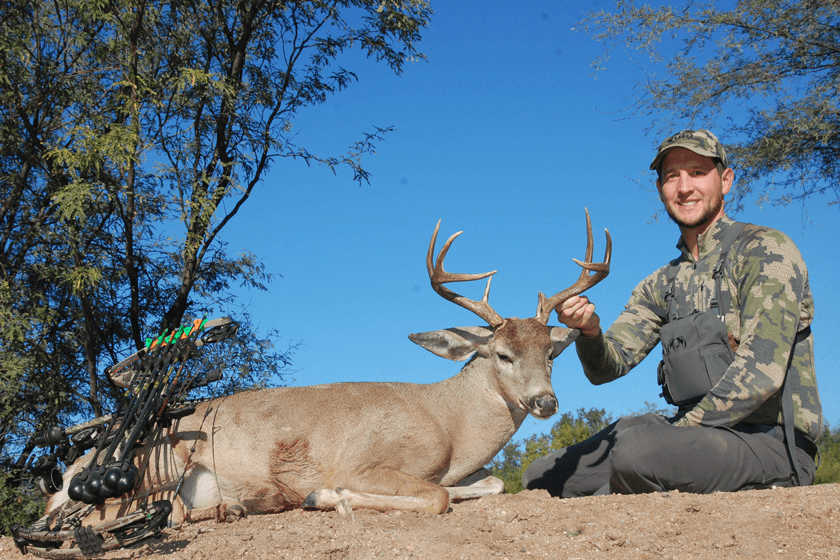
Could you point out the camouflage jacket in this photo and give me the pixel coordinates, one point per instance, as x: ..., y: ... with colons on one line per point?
x: 767, y: 281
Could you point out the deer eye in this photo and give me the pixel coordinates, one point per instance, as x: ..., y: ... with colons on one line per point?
x: 505, y: 357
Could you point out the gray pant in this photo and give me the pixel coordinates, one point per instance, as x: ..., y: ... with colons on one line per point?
x: 646, y: 453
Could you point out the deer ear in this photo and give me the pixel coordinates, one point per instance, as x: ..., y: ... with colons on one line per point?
x: 455, y: 344
x: 561, y: 338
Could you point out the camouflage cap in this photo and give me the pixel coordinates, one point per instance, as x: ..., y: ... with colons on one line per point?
x: 700, y: 142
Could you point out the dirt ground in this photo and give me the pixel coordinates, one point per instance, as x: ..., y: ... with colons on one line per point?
x: 795, y: 523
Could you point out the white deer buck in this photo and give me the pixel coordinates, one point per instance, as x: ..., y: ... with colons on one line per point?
x: 369, y: 445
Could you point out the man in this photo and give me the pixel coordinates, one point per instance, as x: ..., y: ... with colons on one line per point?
x: 731, y: 435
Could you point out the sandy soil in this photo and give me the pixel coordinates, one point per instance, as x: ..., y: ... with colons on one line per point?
x: 796, y: 523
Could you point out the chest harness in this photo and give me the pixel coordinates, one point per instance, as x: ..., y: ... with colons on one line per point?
x: 696, y: 351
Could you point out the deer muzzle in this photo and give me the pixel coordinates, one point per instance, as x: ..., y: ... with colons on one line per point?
x: 543, y: 406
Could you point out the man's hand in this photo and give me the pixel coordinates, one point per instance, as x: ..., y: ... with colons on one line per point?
x: 578, y: 313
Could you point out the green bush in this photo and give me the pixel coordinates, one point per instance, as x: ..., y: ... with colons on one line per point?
x: 18, y: 505
x: 829, y: 467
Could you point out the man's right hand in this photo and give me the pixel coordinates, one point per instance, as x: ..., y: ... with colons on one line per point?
x: 578, y: 312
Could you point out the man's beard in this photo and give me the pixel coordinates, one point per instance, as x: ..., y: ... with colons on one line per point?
x: 708, y: 214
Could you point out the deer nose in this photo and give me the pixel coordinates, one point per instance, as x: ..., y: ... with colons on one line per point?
x: 543, y: 406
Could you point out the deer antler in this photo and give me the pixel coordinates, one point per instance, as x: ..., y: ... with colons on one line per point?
x: 438, y: 276
x: 586, y: 279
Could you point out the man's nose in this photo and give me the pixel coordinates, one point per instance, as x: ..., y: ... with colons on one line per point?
x: 684, y: 182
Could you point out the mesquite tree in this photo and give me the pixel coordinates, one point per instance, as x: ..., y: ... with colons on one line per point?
x: 123, y: 121
x: 764, y: 75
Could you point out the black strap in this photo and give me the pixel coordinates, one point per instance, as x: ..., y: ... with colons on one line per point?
x: 670, y: 294
x: 787, y: 409
x: 721, y: 300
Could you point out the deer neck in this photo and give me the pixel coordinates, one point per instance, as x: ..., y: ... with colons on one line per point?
x: 479, y: 419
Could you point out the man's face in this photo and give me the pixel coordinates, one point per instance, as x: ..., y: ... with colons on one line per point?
x: 692, y: 188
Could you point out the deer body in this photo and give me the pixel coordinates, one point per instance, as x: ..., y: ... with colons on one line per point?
x: 376, y: 445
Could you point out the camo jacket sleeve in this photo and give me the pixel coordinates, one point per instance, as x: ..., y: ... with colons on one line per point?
x: 634, y: 334
x: 767, y: 281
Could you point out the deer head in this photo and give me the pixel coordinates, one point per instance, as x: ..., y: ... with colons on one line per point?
x: 517, y: 354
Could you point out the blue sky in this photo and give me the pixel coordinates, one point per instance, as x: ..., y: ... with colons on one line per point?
x: 503, y: 133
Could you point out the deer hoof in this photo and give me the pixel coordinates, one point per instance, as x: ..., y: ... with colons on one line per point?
x: 311, y: 501
x: 323, y: 499
x: 233, y: 513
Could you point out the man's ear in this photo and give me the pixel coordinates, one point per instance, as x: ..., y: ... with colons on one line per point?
x: 726, y: 179
x: 456, y: 344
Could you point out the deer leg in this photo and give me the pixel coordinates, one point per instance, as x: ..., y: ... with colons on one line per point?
x: 478, y: 484
x: 383, y: 489
x: 220, y: 512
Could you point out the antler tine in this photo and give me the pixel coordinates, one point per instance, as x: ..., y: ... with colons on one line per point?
x: 438, y: 277
x: 586, y: 279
